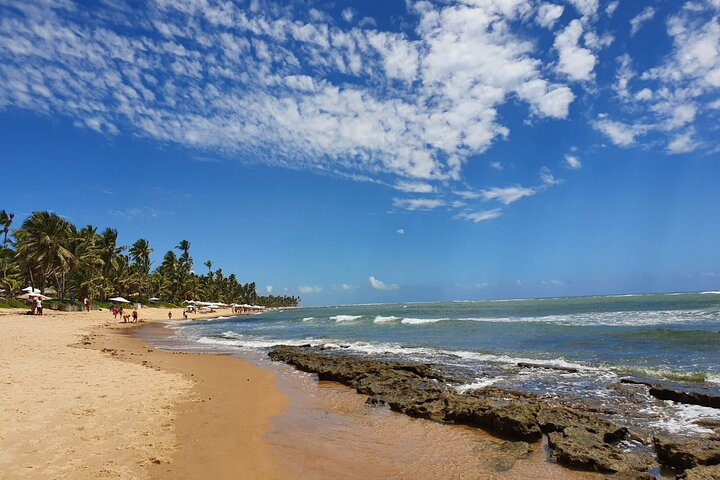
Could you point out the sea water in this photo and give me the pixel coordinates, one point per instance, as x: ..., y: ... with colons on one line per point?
x: 587, y: 344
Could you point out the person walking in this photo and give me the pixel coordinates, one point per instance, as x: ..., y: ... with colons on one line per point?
x: 38, y: 306
x: 170, y: 315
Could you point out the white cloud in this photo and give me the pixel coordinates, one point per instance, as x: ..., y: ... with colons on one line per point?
x: 587, y: 8
x: 644, y: 94
x: 573, y: 162
x: 414, y: 187
x: 507, y: 195
x: 548, y: 14
x: 682, y: 143
x: 611, y: 7
x: 480, y: 216
x: 619, y: 133
x: 346, y: 286
x: 309, y: 289
x: 417, y: 203
x: 575, y: 61
x: 546, y: 100
x: 269, y: 288
x: 623, y: 76
x: 270, y: 85
x: 548, y: 179
x: 636, y: 22
x: 400, y: 231
x: 348, y: 14
x: 496, y: 165
x: 467, y: 194
x: 380, y: 285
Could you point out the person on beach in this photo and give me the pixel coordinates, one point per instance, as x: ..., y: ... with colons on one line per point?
x: 185, y: 315
x: 38, y: 306
x: 115, y: 312
x: 87, y: 304
x: 134, y: 316
x: 170, y: 315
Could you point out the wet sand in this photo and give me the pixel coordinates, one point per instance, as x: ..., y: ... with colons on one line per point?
x: 328, y: 432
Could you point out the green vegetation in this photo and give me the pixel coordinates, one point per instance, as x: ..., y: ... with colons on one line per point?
x: 48, y: 251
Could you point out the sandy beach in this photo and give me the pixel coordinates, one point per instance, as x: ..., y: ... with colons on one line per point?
x: 83, y: 398
x: 70, y: 409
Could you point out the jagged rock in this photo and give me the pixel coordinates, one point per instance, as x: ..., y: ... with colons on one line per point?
x: 683, y: 452
x: 577, y: 448
x: 515, y: 421
x: 711, y: 472
x: 577, y: 439
x: 509, y: 453
x: 706, y: 397
x: 555, y: 419
x: 702, y: 397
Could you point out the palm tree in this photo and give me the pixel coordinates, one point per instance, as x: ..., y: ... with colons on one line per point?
x: 140, y: 254
x: 6, y: 220
x: 109, y: 249
x: 185, y: 260
x: 43, y: 243
x: 208, y: 264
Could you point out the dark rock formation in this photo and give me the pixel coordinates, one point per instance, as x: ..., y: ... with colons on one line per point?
x: 702, y: 396
x: 701, y: 473
x: 577, y: 439
x: 705, y: 398
x: 683, y: 452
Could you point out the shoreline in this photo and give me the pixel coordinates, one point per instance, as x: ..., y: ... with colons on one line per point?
x: 202, y: 415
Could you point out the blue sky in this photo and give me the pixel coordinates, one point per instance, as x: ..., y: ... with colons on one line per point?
x: 378, y: 151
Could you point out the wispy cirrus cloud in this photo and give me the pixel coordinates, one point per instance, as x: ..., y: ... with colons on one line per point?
x: 331, y: 92
x: 280, y: 84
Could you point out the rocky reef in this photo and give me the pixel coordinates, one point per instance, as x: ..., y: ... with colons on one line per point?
x: 577, y: 438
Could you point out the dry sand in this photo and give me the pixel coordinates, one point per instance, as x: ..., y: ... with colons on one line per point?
x: 70, y: 409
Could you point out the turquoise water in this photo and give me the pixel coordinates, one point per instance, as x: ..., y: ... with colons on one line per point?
x: 674, y: 334
x: 672, y: 337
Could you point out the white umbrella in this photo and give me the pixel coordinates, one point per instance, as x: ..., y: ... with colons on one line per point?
x: 119, y: 299
x: 154, y: 299
x: 31, y: 290
x: 26, y: 296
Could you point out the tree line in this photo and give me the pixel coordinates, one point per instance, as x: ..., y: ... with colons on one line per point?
x: 49, y: 251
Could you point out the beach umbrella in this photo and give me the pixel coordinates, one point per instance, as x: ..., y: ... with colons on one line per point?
x: 119, y: 299
x: 30, y: 290
x: 26, y: 296
x: 154, y: 299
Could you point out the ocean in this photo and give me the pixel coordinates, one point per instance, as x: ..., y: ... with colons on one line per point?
x: 580, y: 347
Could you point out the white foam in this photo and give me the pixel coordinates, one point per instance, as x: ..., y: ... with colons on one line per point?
x: 420, y: 321
x: 475, y: 385
x: 307, y: 319
x: 711, y: 292
x: 345, y: 318
x: 631, y: 318
x: 712, y: 378
x: 381, y: 319
x: 681, y: 418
